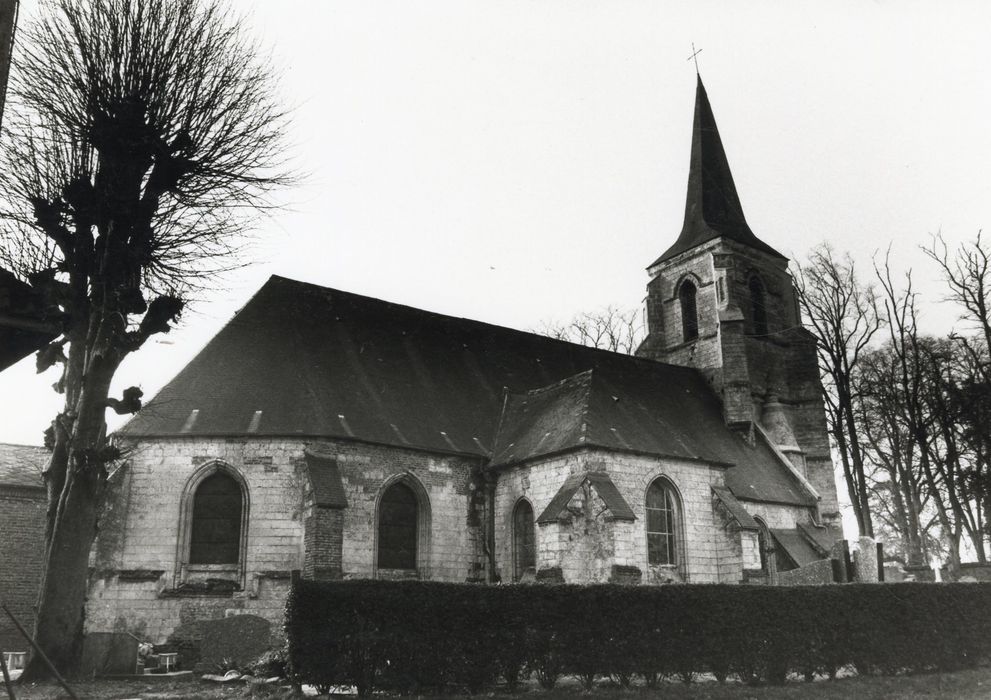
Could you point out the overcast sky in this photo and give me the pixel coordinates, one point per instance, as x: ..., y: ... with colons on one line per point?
x: 516, y: 162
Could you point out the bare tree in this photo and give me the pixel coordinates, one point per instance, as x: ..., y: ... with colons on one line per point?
x: 841, y: 312
x: 610, y: 328
x: 967, y: 273
x: 141, y: 136
x: 901, y: 505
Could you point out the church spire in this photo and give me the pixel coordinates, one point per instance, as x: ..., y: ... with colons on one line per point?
x: 712, y: 208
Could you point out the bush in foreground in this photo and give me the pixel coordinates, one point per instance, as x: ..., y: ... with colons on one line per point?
x: 413, y: 636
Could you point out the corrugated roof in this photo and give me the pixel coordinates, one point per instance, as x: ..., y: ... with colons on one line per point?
x: 325, y: 478
x: 22, y: 465
x: 317, y: 362
x: 619, y: 509
x: 712, y: 206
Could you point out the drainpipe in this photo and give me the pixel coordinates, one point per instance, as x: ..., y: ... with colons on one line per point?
x: 490, y: 487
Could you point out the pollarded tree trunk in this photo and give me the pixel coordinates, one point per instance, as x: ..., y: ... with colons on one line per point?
x: 62, y: 600
x: 145, y: 133
x: 79, y: 464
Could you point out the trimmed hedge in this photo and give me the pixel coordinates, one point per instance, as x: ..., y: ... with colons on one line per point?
x: 411, y: 636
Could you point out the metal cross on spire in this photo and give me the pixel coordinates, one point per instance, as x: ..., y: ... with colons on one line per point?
x: 694, y: 56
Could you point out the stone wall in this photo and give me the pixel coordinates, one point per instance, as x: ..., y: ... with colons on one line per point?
x: 22, y: 544
x: 454, y: 542
x: 704, y: 543
x: 139, y: 566
x: 746, y: 369
x: 138, y: 563
x: 664, y: 322
x: 816, y: 573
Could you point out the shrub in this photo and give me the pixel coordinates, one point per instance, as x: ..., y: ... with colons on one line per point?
x: 411, y: 636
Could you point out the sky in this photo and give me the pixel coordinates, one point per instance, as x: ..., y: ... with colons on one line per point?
x: 521, y: 162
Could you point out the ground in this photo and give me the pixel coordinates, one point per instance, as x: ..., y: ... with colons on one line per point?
x: 964, y: 685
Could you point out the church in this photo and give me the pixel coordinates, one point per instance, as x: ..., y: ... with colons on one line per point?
x: 343, y: 436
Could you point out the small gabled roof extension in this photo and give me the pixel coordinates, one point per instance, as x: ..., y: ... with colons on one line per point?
x: 619, y: 509
x: 325, y: 480
x: 797, y: 546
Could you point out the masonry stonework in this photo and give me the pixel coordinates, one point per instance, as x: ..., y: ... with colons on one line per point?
x: 138, y: 564
x: 706, y: 550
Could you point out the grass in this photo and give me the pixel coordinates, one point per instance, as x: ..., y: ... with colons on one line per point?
x: 963, y: 685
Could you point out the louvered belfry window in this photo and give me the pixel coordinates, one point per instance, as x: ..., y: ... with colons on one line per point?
x: 216, y: 527
x: 662, y: 520
x: 689, y: 311
x: 398, y: 516
x: 758, y: 303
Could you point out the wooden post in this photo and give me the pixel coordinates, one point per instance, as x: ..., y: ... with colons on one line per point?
x: 839, y: 574
x: 847, y: 561
x: 40, y: 653
x: 880, y: 562
x: 6, y: 677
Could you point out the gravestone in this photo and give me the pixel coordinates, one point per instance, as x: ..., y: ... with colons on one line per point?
x: 204, y: 644
x: 109, y: 654
x: 865, y: 561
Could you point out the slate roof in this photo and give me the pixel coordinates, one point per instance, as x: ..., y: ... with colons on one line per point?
x: 712, y: 206
x: 819, y: 537
x: 325, y: 478
x: 308, y: 361
x: 796, y: 546
x: 21, y: 466
x: 638, y: 409
x: 619, y: 509
x: 735, y: 508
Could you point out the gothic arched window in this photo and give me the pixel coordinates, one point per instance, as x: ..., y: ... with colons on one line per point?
x: 215, y: 533
x: 758, y: 305
x: 663, y: 520
x: 689, y: 311
x: 397, y: 528
x: 524, y: 549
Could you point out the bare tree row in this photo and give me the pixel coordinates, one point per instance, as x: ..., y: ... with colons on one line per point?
x: 907, y: 412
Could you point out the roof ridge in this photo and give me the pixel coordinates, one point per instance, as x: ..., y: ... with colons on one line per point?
x: 571, y: 379
x: 644, y: 361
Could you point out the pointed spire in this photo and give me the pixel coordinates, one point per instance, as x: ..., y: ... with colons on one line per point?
x: 712, y: 208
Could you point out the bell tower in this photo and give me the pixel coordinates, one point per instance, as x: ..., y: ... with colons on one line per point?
x: 722, y: 300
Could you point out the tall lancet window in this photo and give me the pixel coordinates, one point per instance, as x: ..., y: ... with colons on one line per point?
x: 398, y: 520
x: 663, y: 524
x: 524, y: 550
x: 216, y: 524
x: 758, y: 305
x: 689, y: 311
